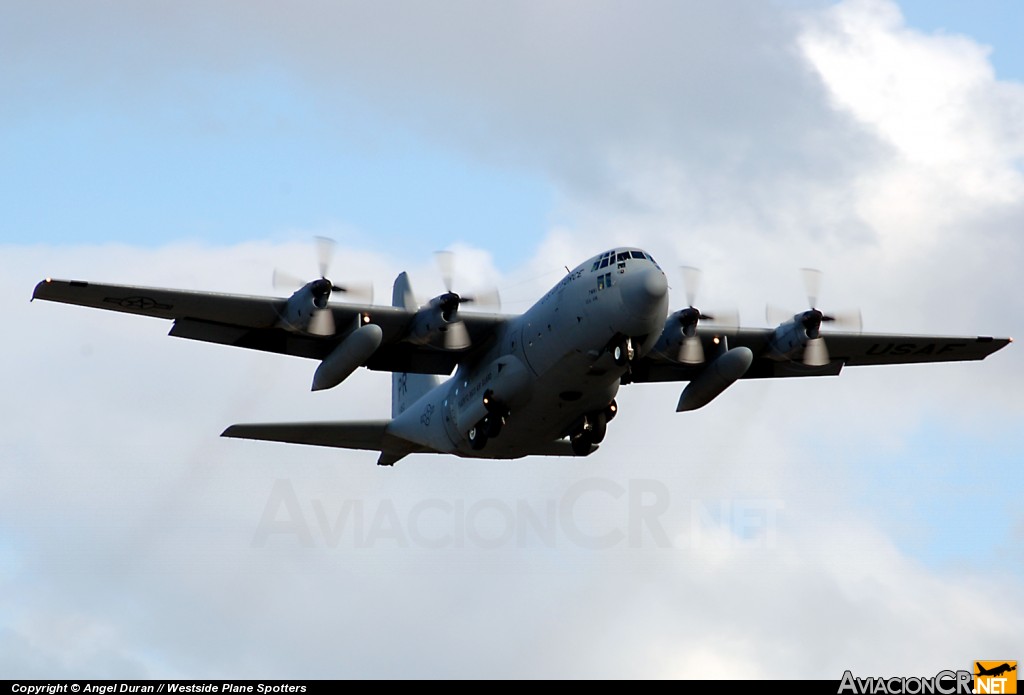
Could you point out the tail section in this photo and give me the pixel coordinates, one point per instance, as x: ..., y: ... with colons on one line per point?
x: 369, y: 435
x: 407, y: 388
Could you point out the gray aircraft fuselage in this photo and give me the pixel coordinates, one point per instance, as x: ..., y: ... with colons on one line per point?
x: 552, y: 366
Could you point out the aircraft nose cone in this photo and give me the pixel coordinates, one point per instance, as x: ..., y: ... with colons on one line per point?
x: 641, y: 291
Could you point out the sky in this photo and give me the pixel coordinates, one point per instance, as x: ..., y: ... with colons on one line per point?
x: 794, y: 528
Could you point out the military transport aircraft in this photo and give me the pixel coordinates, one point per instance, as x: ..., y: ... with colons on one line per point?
x: 540, y: 383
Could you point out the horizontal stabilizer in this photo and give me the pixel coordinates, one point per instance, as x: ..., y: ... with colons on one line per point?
x: 370, y: 435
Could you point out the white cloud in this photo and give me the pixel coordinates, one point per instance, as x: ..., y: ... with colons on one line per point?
x: 955, y: 131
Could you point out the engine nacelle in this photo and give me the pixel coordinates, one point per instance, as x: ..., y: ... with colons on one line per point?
x: 352, y: 353
x: 427, y: 325
x: 440, y: 325
x: 672, y: 335
x: 303, y: 305
x: 788, y: 341
x: 791, y: 337
x: 716, y: 377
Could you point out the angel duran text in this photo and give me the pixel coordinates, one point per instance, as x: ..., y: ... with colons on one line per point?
x: 112, y: 688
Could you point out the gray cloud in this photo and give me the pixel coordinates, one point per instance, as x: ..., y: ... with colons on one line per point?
x: 574, y: 88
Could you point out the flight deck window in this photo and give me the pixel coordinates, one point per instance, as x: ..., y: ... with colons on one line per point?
x: 637, y: 254
x: 623, y: 257
x: 604, y: 263
x: 597, y: 264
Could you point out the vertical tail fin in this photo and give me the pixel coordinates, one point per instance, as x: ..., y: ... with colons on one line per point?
x: 407, y: 388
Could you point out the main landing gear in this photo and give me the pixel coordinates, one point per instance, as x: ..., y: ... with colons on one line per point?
x: 592, y: 430
x: 490, y: 426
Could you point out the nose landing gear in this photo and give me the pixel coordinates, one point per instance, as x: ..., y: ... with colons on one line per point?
x: 623, y: 352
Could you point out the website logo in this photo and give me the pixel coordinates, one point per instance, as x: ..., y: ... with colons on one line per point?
x: 943, y: 683
x: 995, y: 677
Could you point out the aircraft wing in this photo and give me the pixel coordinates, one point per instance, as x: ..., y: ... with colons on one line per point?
x: 845, y: 349
x: 251, y: 322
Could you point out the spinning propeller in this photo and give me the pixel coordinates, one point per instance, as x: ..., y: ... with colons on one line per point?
x: 322, y: 321
x: 691, y: 351
x: 455, y: 336
x: 815, y: 350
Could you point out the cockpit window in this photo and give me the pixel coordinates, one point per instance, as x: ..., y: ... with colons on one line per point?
x: 619, y: 257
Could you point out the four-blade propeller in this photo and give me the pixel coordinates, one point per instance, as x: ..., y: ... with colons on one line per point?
x: 691, y: 351
x: 815, y: 350
x: 455, y: 335
x: 322, y: 321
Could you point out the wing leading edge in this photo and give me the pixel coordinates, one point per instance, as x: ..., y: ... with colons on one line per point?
x: 845, y: 349
x: 252, y: 322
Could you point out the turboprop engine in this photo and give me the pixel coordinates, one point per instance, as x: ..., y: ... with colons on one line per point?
x: 306, y: 311
x: 798, y: 336
x: 438, y: 323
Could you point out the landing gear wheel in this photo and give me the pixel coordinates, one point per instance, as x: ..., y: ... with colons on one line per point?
x: 492, y: 425
x: 598, y: 427
x: 477, y: 438
x: 581, y: 444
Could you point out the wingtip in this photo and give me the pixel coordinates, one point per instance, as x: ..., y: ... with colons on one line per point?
x: 40, y: 285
